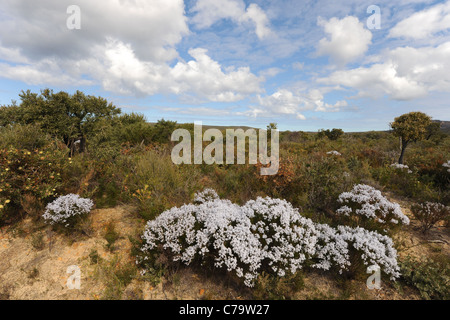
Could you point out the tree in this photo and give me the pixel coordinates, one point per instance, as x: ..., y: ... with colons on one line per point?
x: 334, y: 134
x: 68, y: 117
x: 410, y: 127
x: 162, y: 130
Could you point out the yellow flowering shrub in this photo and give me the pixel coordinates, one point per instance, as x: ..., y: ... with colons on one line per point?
x: 23, y: 172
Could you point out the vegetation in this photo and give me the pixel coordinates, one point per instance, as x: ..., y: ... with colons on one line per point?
x: 123, y: 159
x: 412, y: 127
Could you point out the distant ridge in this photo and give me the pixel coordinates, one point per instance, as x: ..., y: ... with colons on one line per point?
x: 445, y: 126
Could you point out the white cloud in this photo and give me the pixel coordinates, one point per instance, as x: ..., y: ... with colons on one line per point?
x: 205, y: 77
x: 349, y: 39
x: 255, y: 14
x: 423, y: 24
x: 123, y: 72
x: 45, y: 72
x: 153, y: 28
x: 407, y: 73
x: 208, y: 12
x: 127, y: 46
x: 288, y: 103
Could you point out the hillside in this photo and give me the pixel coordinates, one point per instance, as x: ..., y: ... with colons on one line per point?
x: 29, y: 271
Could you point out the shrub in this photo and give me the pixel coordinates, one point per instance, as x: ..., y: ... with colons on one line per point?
x: 447, y: 165
x: 111, y: 236
x: 34, y: 174
x: 366, y: 206
x: 262, y: 235
x: 67, y: 210
x: 430, y: 277
x: 28, y: 137
x: 430, y: 213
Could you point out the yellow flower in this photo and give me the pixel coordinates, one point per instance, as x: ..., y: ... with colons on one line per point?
x: 1, y: 206
x: 7, y: 201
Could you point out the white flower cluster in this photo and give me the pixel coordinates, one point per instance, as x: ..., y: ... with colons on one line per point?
x: 263, y: 234
x: 447, y: 165
x: 400, y: 166
x: 334, y: 152
x: 430, y: 209
x: 367, y: 201
x: 65, y: 207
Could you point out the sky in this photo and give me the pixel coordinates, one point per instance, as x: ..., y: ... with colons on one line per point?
x: 305, y: 65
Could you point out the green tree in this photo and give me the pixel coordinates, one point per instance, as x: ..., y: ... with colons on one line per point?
x: 410, y: 127
x: 162, y: 131
x: 333, y: 134
x: 70, y: 118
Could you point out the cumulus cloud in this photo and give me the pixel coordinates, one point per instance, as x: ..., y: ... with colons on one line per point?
x: 129, y: 47
x: 153, y: 28
x: 423, y: 24
x: 406, y: 74
x: 348, y: 39
x: 286, y: 102
x: 206, y: 77
x: 121, y: 71
x: 208, y: 12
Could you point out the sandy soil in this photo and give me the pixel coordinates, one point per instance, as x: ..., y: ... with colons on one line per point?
x: 30, y: 273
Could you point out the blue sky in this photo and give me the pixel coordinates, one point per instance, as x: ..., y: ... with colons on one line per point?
x: 305, y: 65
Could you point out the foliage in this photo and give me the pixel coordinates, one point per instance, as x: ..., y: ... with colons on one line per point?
x: 162, y: 130
x: 111, y: 236
x: 431, y: 278
x: 64, y: 116
x: 430, y: 213
x: 28, y: 137
x: 35, y: 173
x: 410, y: 127
x: 333, y: 134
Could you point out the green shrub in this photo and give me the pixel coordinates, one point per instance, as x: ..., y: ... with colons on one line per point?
x: 23, y: 172
x: 111, y: 236
x: 431, y: 278
x: 27, y: 137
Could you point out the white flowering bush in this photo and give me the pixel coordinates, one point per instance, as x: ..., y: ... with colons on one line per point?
x: 262, y: 235
x: 401, y: 167
x: 447, y: 165
x: 367, y: 207
x: 334, y: 152
x: 66, y: 210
